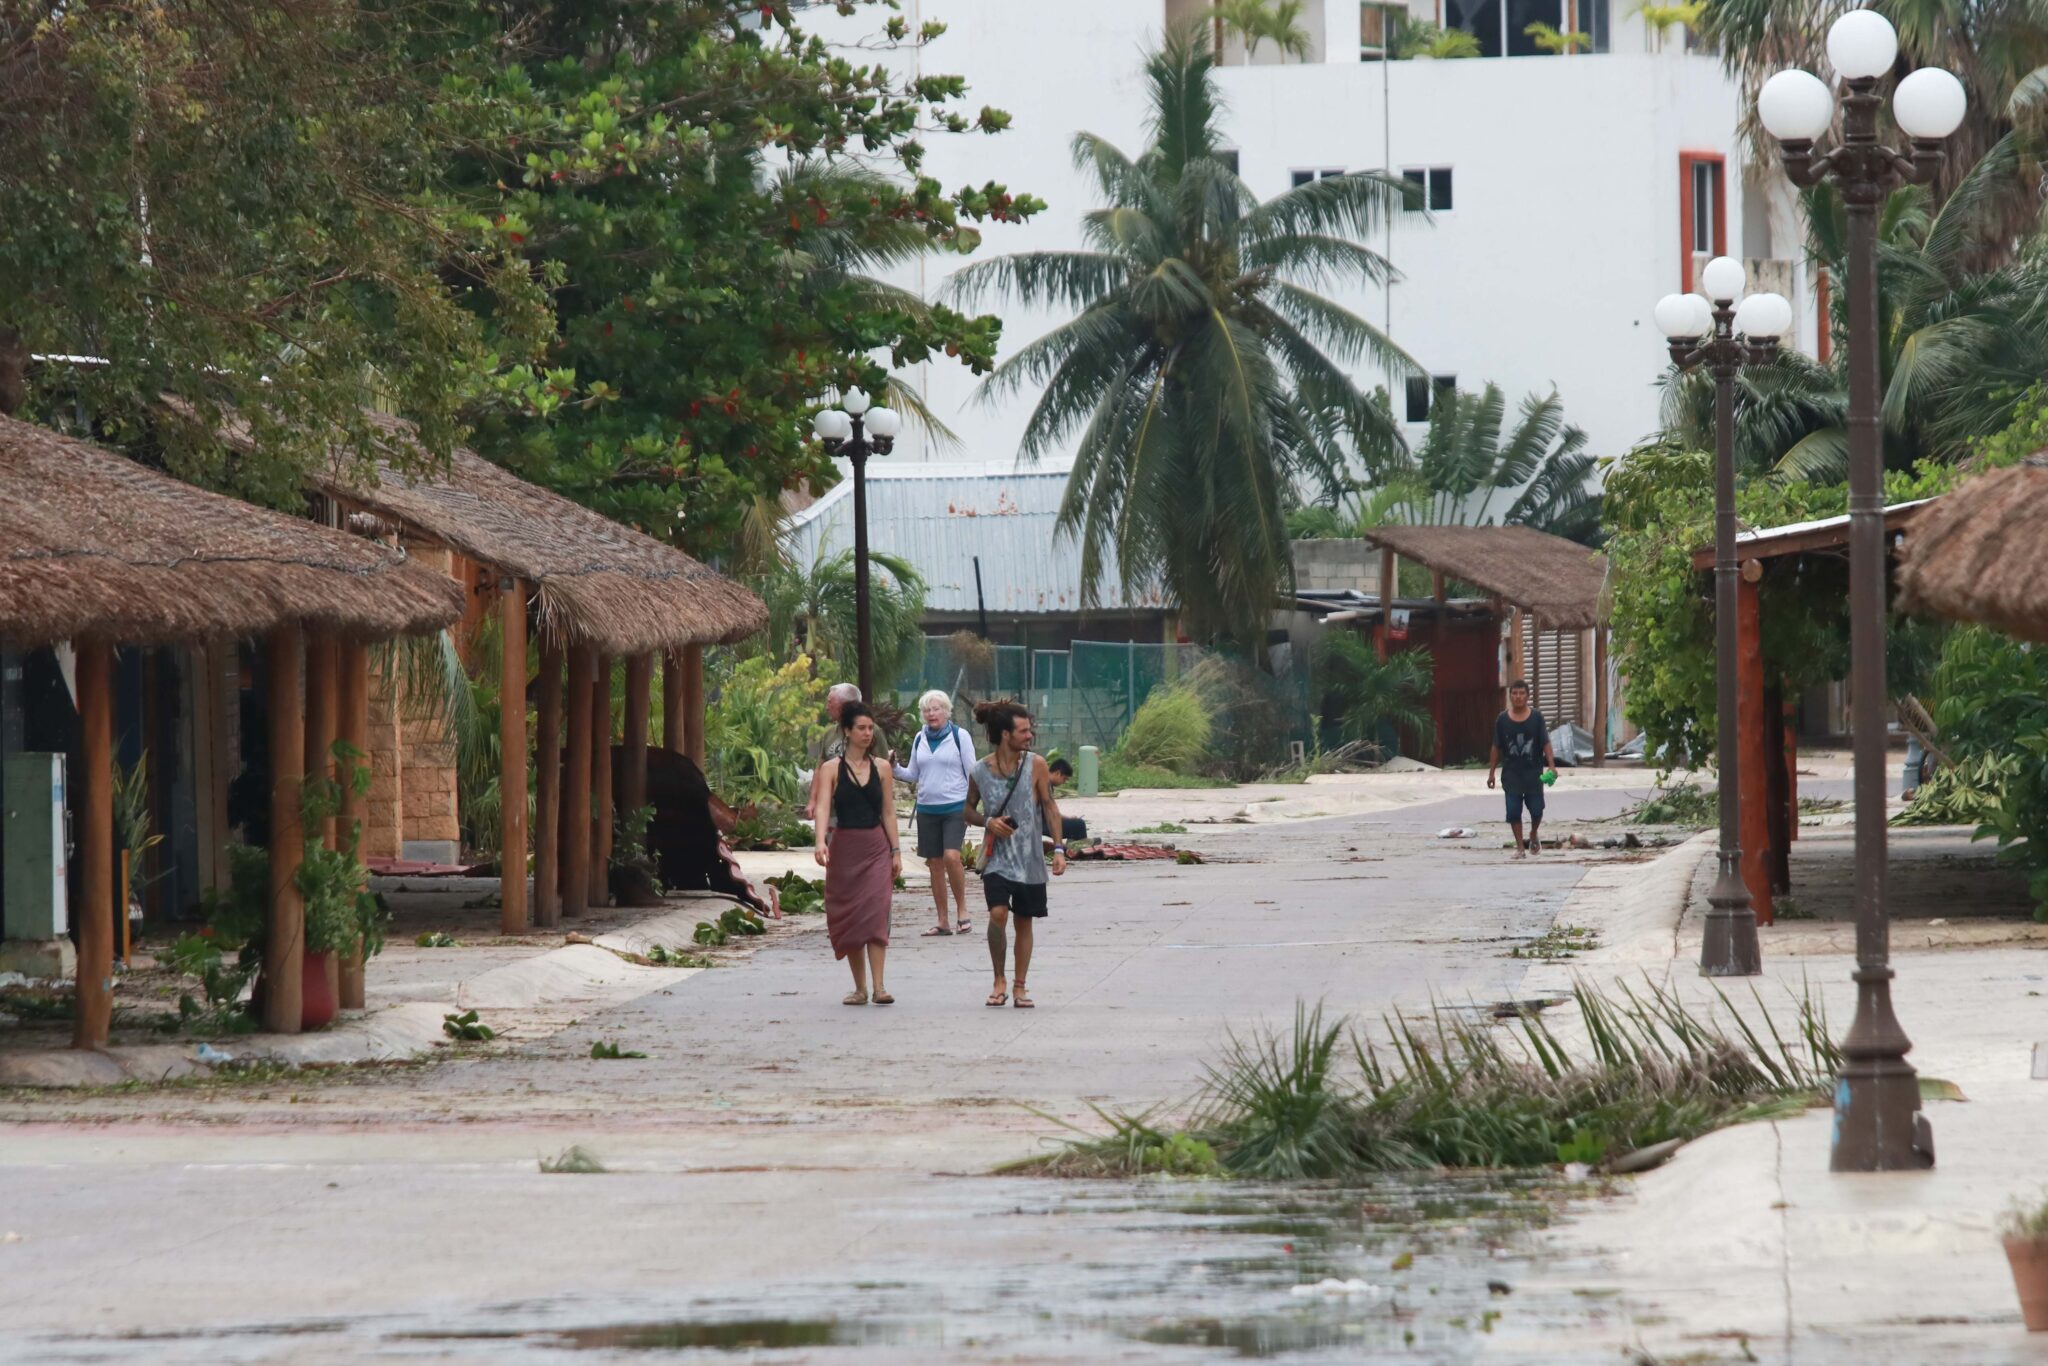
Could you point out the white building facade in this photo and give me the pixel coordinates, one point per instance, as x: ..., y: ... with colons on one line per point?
x: 1566, y: 193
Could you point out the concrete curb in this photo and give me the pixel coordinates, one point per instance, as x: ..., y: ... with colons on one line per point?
x: 1636, y: 909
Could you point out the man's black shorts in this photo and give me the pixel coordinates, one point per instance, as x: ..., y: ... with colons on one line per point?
x: 1026, y: 900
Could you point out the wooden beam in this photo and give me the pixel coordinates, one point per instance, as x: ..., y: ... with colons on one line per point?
x: 1438, y: 589
x: 512, y: 757
x: 1580, y: 712
x: 1389, y: 575
x: 639, y: 690
x: 693, y: 704
x: 94, y: 678
x: 1753, y: 784
x: 600, y: 705
x: 674, y: 703
x: 322, y: 722
x: 547, y: 790
x: 1599, y: 697
x: 1535, y: 675
x: 284, y: 936
x: 355, y: 733
x: 1516, y: 659
x: 576, y: 784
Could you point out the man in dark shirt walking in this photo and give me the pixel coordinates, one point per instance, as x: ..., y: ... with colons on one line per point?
x: 1520, y: 740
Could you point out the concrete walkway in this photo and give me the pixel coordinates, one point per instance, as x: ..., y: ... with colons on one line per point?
x: 1745, y: 1247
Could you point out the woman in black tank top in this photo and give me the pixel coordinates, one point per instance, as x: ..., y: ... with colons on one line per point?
x: 862, y: 859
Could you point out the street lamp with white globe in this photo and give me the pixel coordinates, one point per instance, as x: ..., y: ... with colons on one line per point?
x: 1716, y: 333
x: 857, y: 430
x: 1878, y: 1123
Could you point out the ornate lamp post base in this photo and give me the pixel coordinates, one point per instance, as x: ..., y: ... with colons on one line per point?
x: 1730, y: 947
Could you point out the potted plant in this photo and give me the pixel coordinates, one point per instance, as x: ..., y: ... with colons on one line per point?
x: 2026, y: 1249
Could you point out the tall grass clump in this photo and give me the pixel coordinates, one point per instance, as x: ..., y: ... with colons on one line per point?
x: 1170, y: 731
x: 1459, y: 1091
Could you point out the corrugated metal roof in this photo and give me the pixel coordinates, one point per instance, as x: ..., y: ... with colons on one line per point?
x: 940, y: 517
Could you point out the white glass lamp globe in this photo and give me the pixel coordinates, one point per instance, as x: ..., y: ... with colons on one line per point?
x: 856, y: 401
x: 1862, y: 44
x: 832, y: 425
x: 1702, y: 316
x: 1795, y: 106
x: 1763, y: 317
x: 1723, y: 279
x: 1675, y: 318
x: 884, y: 423
x: 1929, y: 103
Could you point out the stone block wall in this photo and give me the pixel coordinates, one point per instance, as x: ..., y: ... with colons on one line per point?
x: 1335, y: 565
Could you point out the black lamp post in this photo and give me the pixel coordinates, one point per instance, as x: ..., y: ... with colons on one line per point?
x: 857, y: 431
x: 1878, y: 1123
x: 1704, y: 333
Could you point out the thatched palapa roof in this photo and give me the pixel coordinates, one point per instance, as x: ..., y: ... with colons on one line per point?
x: 1558, y: 580
x: 93, y: 545
x: 598, y: 582
x: 1981, y: 553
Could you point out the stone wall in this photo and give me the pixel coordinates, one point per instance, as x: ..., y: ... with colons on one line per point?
x: 1333, y: 565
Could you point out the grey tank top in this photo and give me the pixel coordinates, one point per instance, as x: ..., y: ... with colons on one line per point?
x: 1021, y: 857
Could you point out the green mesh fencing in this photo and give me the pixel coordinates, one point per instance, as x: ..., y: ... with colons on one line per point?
x: 1088, y: 694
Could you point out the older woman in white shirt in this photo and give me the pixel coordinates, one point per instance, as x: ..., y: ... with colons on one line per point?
x: 941, y: 758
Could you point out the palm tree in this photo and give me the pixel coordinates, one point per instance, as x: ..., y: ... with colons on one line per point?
x: 1958, y: 343
x: 1370, y: 694
x: 1203, y: 378
x: 812, y: 607
x: 1259, y: 21
x: 1466, y: 474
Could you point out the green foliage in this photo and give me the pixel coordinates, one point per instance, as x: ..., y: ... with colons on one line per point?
x: 1685, y: 804
x: 1370, y: 696
x: 688, y: 170
x: 1660, y: 19
x: 334, y: 884
x: 1118, y: 774
x: 1201, y: 378
x: 1458, y: 1092
x: 184, y: 204
x: 1170, y: 731
x: 799, y: 895
x: 602, y: 1049
x: 2026, y: 1219
x: 133, y: 830
x: 1549, y: 39
x: 812, y: 610
x: 734, y: 922
x: 575, y: 1160
x: 1179, y: 1155
x: 1968, y: 792
x: 1262, y: 21
x: 1659, y: 510
x: 1420, y: 38
x: 467, y: 1028
x: 758, y: 728
x: 1991, y: 706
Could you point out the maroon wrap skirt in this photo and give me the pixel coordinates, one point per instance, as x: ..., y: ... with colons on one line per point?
x: 859, y: 888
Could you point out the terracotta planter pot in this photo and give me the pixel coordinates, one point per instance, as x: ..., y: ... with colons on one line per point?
x: 317, y: 992
x: 2029, y: 1259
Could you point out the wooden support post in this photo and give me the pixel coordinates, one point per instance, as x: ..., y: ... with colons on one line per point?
x: 1600, y: 696
x: 1437, y: 587
x: 1791, y: 773
x: 600, y: 706
x: 693, y: 704
x: 512, y: 757
x: 576, y: 784
x: 1580, y: 713
x: 639, y: 690
x: 672, y: 702
x: 1389, y: 575
x: 1753, y: 777
x: 284, y: 936
x: 1534, y: 635
x: 95, y: 1003
x: 355, y: 733
x: 547, y: 790
x: 322, y: 723
x: 1780, y: 814
x: 1517, y: 659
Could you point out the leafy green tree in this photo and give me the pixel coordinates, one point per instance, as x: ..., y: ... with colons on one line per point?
x: 684, y: 172
x: 1266, y: 21
x: 188, y: 207
x: 1203, y: 378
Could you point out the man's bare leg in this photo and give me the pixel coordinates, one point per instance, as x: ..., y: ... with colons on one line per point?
x: 999, y: 951
x: 1521, y: 845
x: 1024, y: 925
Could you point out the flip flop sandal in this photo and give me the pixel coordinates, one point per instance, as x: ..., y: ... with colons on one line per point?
x: 964, y: 927
x: 1022, y: 1000
x: 938, y: 932
x: 858, y: 998
x: 883, y: 998
x: 997, y: 998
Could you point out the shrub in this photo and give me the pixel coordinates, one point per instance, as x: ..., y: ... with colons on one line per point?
x: 759, y: 731
x: 1171, y: 731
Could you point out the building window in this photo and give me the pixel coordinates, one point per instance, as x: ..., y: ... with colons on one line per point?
x: 1483, y: 19
x: 1309, y: 177
x: 1430, y: 188
x: 1422, y: 391
x: 1372, y: 29
x: 1702, y: 210
x: 1523, y: 13
x: 1592, y: 21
